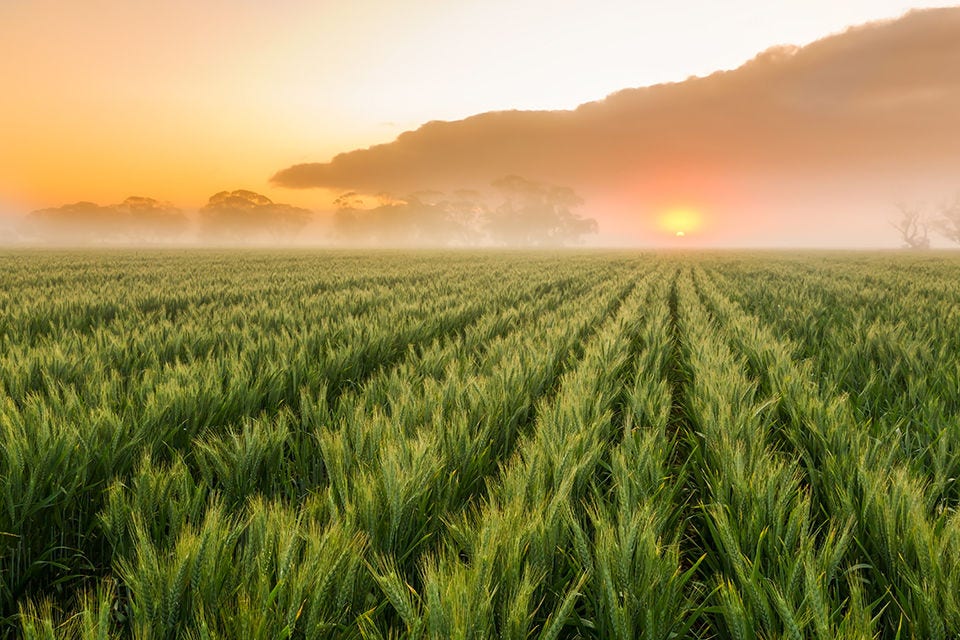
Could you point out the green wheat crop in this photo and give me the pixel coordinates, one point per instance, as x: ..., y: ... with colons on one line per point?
x: 479, y: 445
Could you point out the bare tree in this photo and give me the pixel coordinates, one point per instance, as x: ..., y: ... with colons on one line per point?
x: 948, y: 224
x: 912, y: 226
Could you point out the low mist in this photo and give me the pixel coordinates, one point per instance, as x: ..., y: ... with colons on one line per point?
x: 512, y: 212
x: 851, y: 141
x: 810, y: 146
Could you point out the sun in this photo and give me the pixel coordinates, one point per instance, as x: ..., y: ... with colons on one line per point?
x: 679, y: 221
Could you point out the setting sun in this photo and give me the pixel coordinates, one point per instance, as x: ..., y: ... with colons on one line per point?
x: 680, y: 221
x: 511, y: 318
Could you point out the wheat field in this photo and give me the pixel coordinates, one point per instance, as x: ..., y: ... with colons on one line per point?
x: 206, y: 444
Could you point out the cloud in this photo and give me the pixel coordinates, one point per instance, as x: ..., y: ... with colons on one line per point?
x: 858, y: 113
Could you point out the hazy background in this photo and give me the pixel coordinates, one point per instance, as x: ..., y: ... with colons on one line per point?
x: 227, y: 121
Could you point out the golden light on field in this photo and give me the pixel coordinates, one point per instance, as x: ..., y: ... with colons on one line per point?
x: 680, y: 221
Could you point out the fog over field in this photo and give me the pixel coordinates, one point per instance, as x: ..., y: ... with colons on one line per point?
x: 480, y: 319
x: 833, y: 144
x: 800, y: 146
x: 849, y: 141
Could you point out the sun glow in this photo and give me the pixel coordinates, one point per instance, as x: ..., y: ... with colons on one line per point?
x: 679, y: 221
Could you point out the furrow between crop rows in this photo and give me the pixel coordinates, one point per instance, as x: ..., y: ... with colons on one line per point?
x: 479, y: 445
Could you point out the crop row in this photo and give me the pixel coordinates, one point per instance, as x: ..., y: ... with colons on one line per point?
x: 596, y: 445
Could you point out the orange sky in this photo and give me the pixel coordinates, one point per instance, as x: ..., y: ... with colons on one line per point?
x: 810, y: 146
x: 179, y: 99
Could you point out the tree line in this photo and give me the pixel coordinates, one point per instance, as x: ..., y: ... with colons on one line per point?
x: 515, y: 212
x: 524, y: 213
x: 227, y: 216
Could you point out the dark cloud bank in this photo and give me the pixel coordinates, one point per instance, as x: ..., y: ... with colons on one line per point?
x: 807, y: 145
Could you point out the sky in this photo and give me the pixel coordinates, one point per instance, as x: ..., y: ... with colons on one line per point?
x: 178, y: 100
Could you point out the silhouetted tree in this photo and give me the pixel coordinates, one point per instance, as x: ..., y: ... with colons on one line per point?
x: 347, y: 222
x: 77, y: 223
x: 530, y: 214
x: 152, y: 220
x: 536, y: 214
x: 421, y: 218
x: 467, y: 209
x: 912, y: 226
x: 136, y: 219
x: 248, y: 216
x: 948, y: 224
x: 439, y: 219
